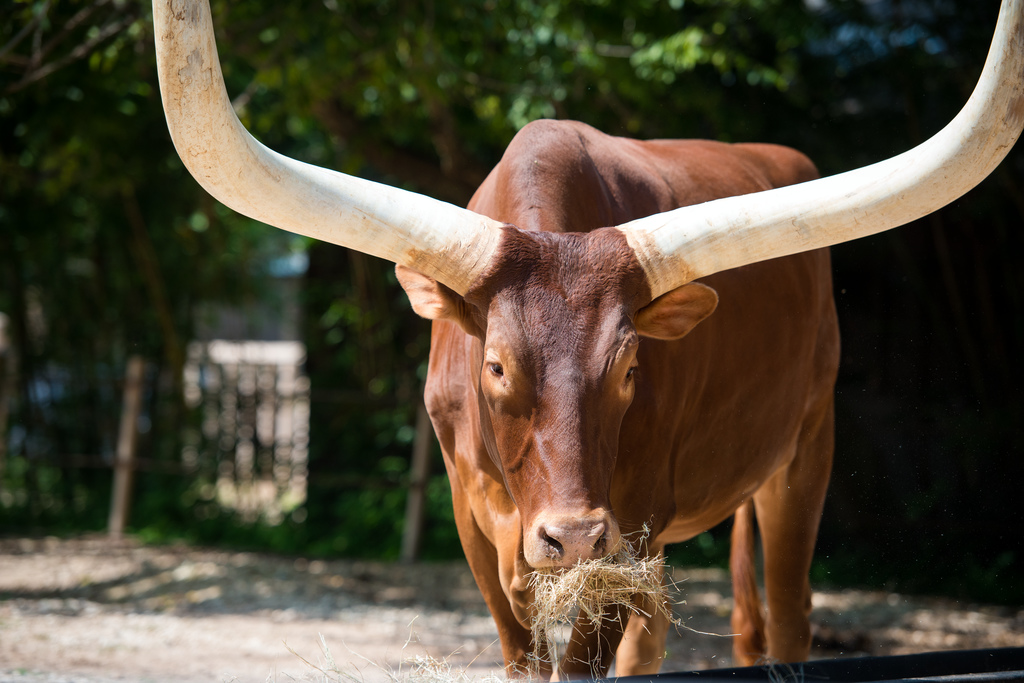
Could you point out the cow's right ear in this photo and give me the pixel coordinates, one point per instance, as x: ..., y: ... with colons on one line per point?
x: 434, y: 300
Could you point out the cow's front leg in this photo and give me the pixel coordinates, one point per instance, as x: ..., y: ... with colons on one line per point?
x: 516, y: 641
x: 642, y: 649
x: 590, y: 650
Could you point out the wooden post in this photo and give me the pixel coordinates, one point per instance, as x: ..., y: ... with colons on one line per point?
x: 420, y: 472
x: 7, y: 369
x: 124, y: 464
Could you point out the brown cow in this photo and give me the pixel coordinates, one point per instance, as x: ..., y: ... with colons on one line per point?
x: 561, y: 393
x: 575, y: 396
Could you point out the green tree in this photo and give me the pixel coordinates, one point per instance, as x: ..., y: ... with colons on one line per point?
x: 107, y: 245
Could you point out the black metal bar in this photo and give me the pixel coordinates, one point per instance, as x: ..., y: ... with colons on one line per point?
x: 958, y: 666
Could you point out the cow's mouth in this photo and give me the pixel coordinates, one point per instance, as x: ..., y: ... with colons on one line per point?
x: 594, y: 590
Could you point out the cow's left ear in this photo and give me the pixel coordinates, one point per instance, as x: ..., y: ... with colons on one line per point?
x: 673, y: 314
x: 434, y: 300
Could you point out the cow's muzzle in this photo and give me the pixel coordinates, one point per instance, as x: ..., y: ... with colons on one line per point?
x: 563, y: 540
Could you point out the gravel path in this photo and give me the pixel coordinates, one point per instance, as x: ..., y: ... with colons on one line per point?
x: 90, y: 611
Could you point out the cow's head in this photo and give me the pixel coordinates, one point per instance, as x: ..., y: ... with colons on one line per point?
x: 560, y: 317
x: 486, y: 273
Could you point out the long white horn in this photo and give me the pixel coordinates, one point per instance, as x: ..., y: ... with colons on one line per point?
x: 678, y: 246
x: 437, y: 239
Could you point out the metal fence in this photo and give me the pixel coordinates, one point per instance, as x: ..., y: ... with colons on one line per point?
x: 254, y: 433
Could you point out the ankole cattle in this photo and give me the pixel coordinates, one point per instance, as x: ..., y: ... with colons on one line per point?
x: 625, y: 333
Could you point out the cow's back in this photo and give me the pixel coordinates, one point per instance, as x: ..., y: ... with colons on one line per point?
x: 564, y: 176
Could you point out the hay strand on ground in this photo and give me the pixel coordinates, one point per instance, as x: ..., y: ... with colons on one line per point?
x: 416, y: 669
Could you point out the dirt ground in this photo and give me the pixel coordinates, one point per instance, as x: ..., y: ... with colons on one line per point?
x: 92, y: 611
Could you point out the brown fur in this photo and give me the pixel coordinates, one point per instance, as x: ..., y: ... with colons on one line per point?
x: 571, y: 408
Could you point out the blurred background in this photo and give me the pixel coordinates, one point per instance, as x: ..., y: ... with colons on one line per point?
x: 279, y: 380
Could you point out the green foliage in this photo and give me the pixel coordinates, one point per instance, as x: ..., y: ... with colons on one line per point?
x: 169, y: 512
x: 710, y: 548
x: 52, y: 500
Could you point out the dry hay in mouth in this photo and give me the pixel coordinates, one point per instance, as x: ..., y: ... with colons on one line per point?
x: 593, y: 588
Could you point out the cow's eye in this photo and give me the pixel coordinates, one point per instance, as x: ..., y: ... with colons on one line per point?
x: 497, y: 369
x: 631, y: 372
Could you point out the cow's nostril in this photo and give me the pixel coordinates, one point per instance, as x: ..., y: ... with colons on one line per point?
x: 553, y: 548
x: 601, y: 546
